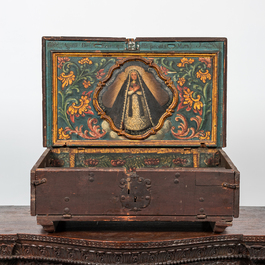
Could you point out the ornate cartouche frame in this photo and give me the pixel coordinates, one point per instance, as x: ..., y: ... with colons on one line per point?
x: 168, y: 112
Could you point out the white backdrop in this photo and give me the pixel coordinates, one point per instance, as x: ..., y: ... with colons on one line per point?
x: 23, y: 23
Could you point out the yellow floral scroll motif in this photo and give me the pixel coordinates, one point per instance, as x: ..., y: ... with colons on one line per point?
x: 184, y: 61
x: 73, y: 109
x: 189, y: 100
x: 81, y: 109
x: 206, y: 136
x: 197, y: 104
x: 181, y: 81
x: 203, y: 76
x: 63, y: 135
x: 86, y: 84
x: 85, y: 60
x: 66, y: 79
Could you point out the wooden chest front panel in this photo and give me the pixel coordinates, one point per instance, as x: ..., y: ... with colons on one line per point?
x: 211, y: 195
x: 154, y: 192
x: 80, y: 191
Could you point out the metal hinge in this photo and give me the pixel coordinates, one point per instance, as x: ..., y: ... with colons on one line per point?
x: 132, y: 45
x: 203, y: 145
x: 39, y: 182
x: 230, y: 186
x: 201, y: 216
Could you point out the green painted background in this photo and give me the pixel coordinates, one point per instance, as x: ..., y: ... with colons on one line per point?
x: 99, y: 66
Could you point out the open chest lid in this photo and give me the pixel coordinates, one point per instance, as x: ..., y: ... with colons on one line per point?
x: 134, y: 92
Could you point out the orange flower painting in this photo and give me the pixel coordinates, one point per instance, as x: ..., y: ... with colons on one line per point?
x: 203, y: 76
x: 184, y: 61
x: 86, y: 84
x: 181, y: 81
x: 85, y: 60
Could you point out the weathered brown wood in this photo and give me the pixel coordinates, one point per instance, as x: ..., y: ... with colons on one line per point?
x: 220, y: 226
x: 251, y: 222
x: 24, y: 242
x: 83, y: 195
x: 131, y: 218
x: 94, y: 194
x: 47, y: 224
x: 227, y: 162
x: 39, y: 164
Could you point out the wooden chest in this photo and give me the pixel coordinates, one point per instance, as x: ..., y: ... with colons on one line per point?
x: 134, y: 131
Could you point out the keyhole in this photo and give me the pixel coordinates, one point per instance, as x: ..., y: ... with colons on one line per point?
x: 128, y: 191
x: 135, y: 198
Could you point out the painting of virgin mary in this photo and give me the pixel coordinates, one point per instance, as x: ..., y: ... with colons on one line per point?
x: 136, y: 104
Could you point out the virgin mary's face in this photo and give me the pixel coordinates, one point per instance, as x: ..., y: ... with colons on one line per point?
x: 133, y: 75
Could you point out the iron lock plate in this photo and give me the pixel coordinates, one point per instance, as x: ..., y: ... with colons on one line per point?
x: 135, y: 192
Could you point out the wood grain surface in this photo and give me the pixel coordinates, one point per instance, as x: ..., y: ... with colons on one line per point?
x: 22, y: 241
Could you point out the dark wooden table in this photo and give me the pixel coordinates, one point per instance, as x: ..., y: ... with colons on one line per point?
x: 22, y: 241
